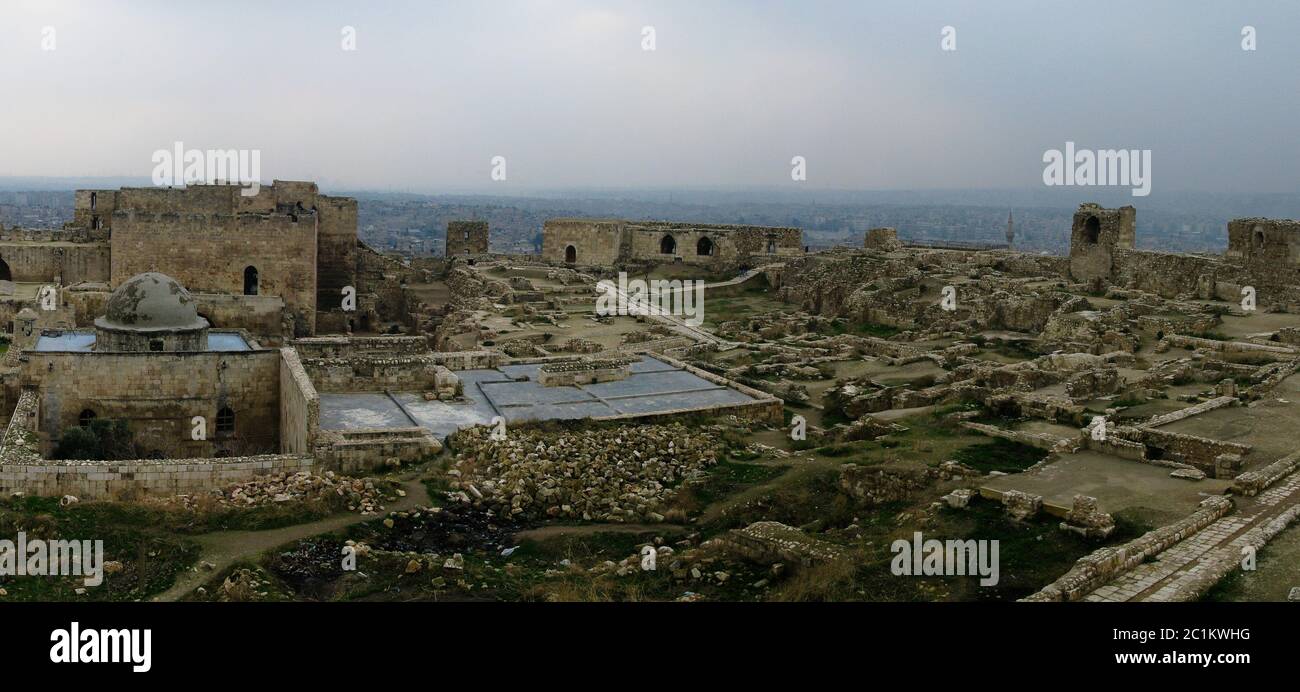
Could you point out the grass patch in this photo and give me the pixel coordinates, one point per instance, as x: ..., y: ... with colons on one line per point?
x: 1000, y: 455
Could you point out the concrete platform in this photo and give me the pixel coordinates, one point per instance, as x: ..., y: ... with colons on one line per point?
x: 1117, y: 484
x: 1267, y: 425
x: 512, y: 392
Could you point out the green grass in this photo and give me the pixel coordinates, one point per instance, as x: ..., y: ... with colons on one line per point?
x: 150, y: 554
x: 882, y: 331
x: 1000, y: 455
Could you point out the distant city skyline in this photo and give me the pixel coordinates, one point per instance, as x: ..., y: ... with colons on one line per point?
x: 732, y: 91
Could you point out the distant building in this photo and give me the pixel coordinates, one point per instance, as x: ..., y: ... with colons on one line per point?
x: 607, y: 242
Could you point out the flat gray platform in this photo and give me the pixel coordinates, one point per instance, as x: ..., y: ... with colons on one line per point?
x: 512, y: 392
x: 84, y: 342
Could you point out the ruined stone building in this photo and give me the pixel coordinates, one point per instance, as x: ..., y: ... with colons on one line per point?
x: 1263, y: 255
x: 153, y: 362
x: 609, y: 242
x: 170, y: 308
x: 467, y: 238
x: 285, y: 262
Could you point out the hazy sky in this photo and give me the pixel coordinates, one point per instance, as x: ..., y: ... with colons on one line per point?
x: 732, y: 92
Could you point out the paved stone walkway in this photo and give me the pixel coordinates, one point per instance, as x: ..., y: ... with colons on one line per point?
x: 1185, y: 570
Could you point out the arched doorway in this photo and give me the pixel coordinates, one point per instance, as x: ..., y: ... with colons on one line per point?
x: 1092, y: 229
x: 704, y: 247
x: 250, y: 281
x: 5, y: 274
x: 570, y: 254
x: 667, y: 245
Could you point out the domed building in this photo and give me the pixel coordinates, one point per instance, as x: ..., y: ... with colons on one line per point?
x: 151, y: 312
x: 185, y: 390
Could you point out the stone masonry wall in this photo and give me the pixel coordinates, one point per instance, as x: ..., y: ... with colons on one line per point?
x: 467, y: 238
x: 109, y: 480
x: 299, y: 406
x: 197, y: 249
x: 159, y: 394
x: 22, y: 469
x: 1105, y: 564
x: 39, y: 262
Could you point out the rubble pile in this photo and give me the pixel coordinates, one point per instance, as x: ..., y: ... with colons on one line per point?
x: 360, y: 495
x: 620, y: 474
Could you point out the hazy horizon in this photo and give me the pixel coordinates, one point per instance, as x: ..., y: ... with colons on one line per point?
x: 732, y: 91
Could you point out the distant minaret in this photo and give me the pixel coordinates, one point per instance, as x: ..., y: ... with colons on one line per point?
x: 1011, y: 230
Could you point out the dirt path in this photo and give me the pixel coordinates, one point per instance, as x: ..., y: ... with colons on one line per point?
x: 224, y: 548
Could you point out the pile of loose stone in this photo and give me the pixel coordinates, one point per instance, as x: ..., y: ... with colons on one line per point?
x: 615, y: 474
x: 360, y: 495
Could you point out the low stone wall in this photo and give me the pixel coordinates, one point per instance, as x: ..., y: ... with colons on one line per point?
x: 1271, y: 376
x: 1238, y: 347
x: 347, y: 346
x: 468, y: 360
x: 108, y: 480
x: 361, y: 451
x: 23, y: 470
x: 1114, y: 446
x: 570, y: 373
x: 361, y: 373
x: 1038, y: 440
x: 1200, y: 452
x: 1252, y: 482
x: 1105, y: 564
x: 768, y: 542
x: 1203, y: 407
x: 1226, y: 561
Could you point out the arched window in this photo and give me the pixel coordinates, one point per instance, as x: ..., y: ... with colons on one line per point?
x: 1092, y: 230
x: 94, y: 200
x: 704, y: 247
x: 771, y: 247
x: 250, y: 281
x: 667, y: 245
x: 225, y: 420
x: 5, y: 274
x: 84, y: 419
x: 570, y: 254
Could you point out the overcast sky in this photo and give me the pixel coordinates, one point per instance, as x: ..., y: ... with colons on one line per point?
x: 733, y: 91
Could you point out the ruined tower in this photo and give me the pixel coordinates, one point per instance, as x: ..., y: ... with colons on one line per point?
x: 1096, y: 236
x: 467, y: 238
x: 1011, y: 231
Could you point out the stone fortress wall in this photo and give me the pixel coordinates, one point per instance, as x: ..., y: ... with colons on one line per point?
x: 302, y: 245
x: 212, y: 254
x: 1263, y: 254
x: 609, y: 242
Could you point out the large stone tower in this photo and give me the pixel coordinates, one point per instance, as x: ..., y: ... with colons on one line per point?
x: 1095, y: 237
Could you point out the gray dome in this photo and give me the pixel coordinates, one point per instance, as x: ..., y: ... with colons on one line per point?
x: 151, y: 302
